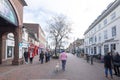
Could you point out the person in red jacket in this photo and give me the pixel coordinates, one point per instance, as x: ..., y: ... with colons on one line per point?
x: 31, y: 55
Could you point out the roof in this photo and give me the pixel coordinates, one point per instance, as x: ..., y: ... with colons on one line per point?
x: 32, y: 25
x: 106, y: 12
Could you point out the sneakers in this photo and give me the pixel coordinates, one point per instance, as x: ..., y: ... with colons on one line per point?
x: 26, y: 62
x: 114, y: 74
x: 106, y: 76
x: 111, y: 77
x: 118, y: 75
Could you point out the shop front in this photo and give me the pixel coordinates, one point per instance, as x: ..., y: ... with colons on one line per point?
x: 33, y: 48
x: 10, y: 22
x: 9, y: 49
x: 41, y: 48
x: 24, y: 47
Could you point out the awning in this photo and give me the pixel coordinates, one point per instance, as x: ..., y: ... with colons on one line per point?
x: 41, y: 46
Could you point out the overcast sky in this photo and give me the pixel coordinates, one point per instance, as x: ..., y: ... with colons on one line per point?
x: 81, y: 12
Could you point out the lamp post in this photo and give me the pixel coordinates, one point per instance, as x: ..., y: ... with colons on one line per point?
x: 74, y: 47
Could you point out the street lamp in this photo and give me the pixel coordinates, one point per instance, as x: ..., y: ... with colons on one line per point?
x: 74, y: 43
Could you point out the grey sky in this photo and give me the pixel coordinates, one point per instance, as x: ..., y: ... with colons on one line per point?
x: 81, y: 12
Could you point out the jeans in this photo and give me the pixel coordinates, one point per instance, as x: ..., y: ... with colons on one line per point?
x: 63, y: 64
x: 31, y: 60
x: 116, y: 69
x: 26, y: 59
x: 106, y: 71
x: 42, y: 60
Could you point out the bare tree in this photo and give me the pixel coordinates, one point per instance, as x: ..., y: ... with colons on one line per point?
x: 58, y: 30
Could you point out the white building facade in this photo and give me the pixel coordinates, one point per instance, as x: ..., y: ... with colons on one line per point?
x: 103, y: 35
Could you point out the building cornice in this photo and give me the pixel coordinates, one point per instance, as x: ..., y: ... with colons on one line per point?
x: 106, y: 12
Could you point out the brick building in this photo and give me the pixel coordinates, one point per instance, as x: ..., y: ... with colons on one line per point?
x: 11, y: 21
x: 38, y: 32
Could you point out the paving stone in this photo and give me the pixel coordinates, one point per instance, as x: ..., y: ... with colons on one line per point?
x: 76, y: 69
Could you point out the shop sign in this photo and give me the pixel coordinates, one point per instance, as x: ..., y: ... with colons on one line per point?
x: 20, y: 44
x: 24, y: 44
x: 41, y: 46
x: 7, y: 11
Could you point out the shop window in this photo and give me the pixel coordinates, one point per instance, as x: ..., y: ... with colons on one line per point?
x: 91, y: 50
x: 113, y: 47
x: 99, y: 37
x: 99, y: 50
x: 95, y: 50
x: 113, y: 31
x: 95, y: 39
x: 9, y: 51
x: 105, y: 34
x: 106, y: 49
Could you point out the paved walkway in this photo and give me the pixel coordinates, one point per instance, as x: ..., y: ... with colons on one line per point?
x: 76, y: 69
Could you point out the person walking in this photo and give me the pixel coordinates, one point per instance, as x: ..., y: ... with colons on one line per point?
x: 108, y: 64
x: 46, y: 56
x: 91, y: 59
x: 116, y: 63
x: 31, y: 55
x: 41, y: 57
x: 63, y: 58
x: 49, y: 55
x: 87, y: 58
x: 26, y: 56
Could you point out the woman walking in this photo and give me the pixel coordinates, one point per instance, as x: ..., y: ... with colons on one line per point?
x: 31, y: 55
x: 63, y: 58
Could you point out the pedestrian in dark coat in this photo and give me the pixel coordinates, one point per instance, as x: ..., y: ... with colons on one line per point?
x: 46, y: 56
x: 91, y: 59
x: 26, y: 56
x: 87, y: 58
x: 116, y: 64
x: 49, y: 55
x: 108, y: 64
x: 41, y: 57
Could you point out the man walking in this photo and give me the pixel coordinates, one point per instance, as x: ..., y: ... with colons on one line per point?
x: 91, y: 59
x: 41, y: 57
x: 87, y: 58
x: 108, y: 64
x: 26, y: 56
x: 116, y: 64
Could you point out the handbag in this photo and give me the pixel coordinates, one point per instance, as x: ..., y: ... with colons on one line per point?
x: 116, y: 64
